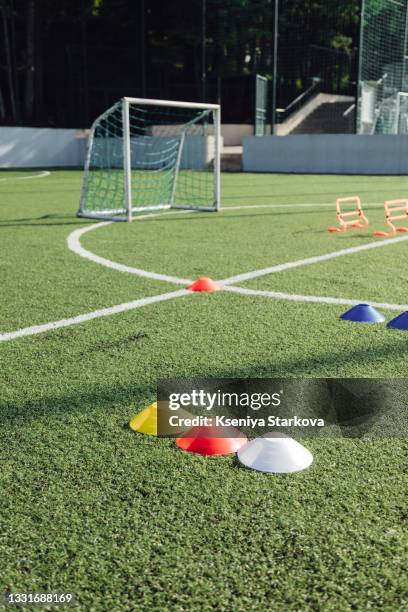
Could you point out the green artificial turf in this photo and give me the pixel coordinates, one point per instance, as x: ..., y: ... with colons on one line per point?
x: 128, y: 522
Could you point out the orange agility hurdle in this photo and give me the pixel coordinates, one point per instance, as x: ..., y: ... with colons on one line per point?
x: 391, y: 207
x: 359, y: 220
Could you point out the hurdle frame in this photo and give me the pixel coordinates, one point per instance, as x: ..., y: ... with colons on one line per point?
x: 361, y: 221
x: 390, y: 207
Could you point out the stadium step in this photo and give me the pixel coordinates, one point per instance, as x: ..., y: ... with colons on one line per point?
x: 328, y: 118
x: 325, y: 113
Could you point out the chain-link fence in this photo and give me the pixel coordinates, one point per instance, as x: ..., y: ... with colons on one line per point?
x: 383, y: 78
x: 86, y: 55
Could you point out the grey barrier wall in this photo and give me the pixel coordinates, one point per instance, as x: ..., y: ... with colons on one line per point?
x: 50, y: 147
x: 317, y: 153
x: 327, y: 154
x: 40, y: 147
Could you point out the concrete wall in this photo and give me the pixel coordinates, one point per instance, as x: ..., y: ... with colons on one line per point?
x: 327, y: 153
x: 49, y: 147
x: 233, y: 133
x: 40, y: 147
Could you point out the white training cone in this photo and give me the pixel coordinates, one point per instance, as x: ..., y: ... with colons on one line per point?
x: 276, y: 453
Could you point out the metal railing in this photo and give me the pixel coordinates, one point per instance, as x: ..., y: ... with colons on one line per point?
x: 283, y: 113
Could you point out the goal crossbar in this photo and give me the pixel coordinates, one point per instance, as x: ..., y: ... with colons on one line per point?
x: 175, y: 103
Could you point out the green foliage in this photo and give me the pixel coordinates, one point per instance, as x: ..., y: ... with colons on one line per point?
x: 96, y: 7
x: 343, y: 43
x: 95, y: 51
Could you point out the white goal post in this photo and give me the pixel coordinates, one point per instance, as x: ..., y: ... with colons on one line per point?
x: 148, y: 155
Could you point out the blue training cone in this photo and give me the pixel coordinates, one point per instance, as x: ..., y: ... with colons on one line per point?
x: 400, y: 322
x: 363, y: 313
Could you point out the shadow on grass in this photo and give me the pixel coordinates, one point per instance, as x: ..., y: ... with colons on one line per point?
x: 78, y: 402
x: 273, y: 212
x: 51, y: 220
x: 27, y: 193
x: 137, y: 395
x: 203, y: 216
x: 331, y: 195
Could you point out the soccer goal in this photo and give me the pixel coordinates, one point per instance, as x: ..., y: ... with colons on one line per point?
x: 147, y: 155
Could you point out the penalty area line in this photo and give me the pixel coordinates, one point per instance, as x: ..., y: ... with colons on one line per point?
x: 310, y: 260
x: 96, y: 314
x: 293, y: 297
x: 74, y: 245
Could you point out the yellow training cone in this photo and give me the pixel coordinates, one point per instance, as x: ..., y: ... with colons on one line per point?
x: 146, y: 421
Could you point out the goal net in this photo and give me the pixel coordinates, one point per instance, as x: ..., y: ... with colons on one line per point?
x: 152, y: 154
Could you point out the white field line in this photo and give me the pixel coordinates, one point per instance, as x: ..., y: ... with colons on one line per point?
x: 74, y: 245
x: 41, y: 174
x: 104, y: 312
x: 311, y: 260
x: 292, y: 297
x: 307, y: 205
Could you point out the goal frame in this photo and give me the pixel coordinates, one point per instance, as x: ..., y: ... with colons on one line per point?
x: 128, y: 209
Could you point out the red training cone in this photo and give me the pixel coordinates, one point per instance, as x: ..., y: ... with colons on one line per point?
x: 204, y: 284
x: 206, y: 440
